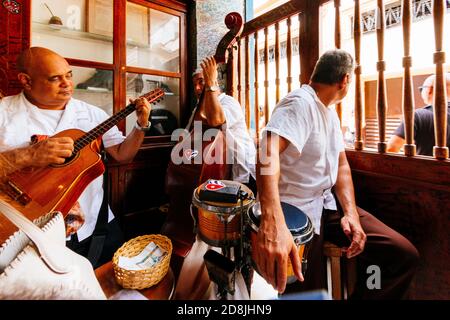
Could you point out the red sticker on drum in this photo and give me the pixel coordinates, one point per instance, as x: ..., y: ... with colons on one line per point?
x: 190, y: 154
x: 214, y: 185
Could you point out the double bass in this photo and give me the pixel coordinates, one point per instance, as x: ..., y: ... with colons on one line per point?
x: 200, y: 160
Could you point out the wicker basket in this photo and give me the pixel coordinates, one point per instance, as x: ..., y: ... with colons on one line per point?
x: 141, y: 279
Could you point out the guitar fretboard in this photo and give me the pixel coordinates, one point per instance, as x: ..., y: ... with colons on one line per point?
x: 90, y: 136
x: 99, y: 130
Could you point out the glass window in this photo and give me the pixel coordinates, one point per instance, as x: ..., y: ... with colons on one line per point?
x: 94, y: 86
x: 76, y: 29
x: 153, y: 39
x: 165, y: 114
x: 262, y: 6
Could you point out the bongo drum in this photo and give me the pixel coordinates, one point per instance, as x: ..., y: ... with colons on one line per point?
x: 219, y: 223
x: 300, y: 226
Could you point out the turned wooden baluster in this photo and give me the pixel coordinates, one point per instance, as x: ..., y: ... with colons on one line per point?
x: 247, y: 81
x: 337, y: 43
x: 289, y: 54
x: 266, y: 75
x: 358, y: 95
x: 239, y: 72
x: 381, y: 67
x: 256, y: 63
x: 408, y: 96
x: 277, y: 62
x: 440, y: 150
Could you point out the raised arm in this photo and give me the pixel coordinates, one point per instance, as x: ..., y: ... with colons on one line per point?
x: 126, y: 151
x: 210, y: 106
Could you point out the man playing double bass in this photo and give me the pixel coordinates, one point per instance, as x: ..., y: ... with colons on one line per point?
x: 46, y: 107
x: 218, y: 110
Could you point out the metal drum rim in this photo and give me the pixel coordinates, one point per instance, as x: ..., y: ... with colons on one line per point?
x: 230, y: 210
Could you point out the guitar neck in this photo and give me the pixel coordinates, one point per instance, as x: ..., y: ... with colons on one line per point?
x: 99, y: 130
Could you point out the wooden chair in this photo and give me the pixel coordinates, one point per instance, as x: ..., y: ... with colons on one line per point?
x: 341, y: 272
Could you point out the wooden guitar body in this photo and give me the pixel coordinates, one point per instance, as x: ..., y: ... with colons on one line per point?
x: 37, y: 191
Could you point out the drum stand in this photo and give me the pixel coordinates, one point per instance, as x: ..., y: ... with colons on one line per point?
x: 242, y: 251
x: 221, y: 267
x: 244, y: 259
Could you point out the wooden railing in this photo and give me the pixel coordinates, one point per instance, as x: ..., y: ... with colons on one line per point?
x: 440, y: 99
x: 259, y: 85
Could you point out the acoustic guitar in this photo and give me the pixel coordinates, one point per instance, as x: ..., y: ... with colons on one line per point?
x: 35, y: 191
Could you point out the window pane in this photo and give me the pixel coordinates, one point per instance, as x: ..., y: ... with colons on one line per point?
x: 94, y: 86
x: 165, y: 114
x: 83, y: 29
x: 153, y: 39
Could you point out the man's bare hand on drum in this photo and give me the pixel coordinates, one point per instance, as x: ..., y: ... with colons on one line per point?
x: 275, y: 246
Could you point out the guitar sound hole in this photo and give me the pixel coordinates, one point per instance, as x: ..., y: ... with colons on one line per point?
x: 68, y: 160
x: 72, y: 157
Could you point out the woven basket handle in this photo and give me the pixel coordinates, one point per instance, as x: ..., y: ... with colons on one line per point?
x: 52, y: 253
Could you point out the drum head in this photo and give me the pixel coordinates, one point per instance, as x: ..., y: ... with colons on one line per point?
x: 298, y: 223
x: 223, y: 207
x: 296, y: 220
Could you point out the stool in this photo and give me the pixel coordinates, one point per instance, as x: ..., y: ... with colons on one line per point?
x: 340, y: 284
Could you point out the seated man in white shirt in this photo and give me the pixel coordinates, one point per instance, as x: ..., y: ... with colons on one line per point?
x: 46, y: 107
x: 221, y: 111
x: 300, y: 159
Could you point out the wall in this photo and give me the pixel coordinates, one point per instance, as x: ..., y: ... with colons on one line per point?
x: 412, y: 196
x: 210, y: 16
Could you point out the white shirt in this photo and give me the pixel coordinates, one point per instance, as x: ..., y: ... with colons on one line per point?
x: 19, y: 120
x: 239, y: 142
x: 309, y: 165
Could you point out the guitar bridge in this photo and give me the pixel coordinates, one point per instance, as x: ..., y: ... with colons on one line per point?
x: 16, y: 193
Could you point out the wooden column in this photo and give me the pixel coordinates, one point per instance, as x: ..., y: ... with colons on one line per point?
x: 309, y: 31
x: 266, y: 75
x: 289, y: 54
x: 381, y: 67
x: 408, y: 97
x: 256, y: 63
x: 337, y: 43
x: 239, y: 72
x: 277, y: 62
x: 119, y: 59
x: 299, y: 47
x: 359, y: 145
x: 247, y: 82
x: 14, y: 38
x: 440, y: 150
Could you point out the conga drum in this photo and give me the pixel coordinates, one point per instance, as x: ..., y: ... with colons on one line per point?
x: 300, y: 226
x: 219, y: 223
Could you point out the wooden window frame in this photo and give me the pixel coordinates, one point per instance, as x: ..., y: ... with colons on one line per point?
x: 120, y: 68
